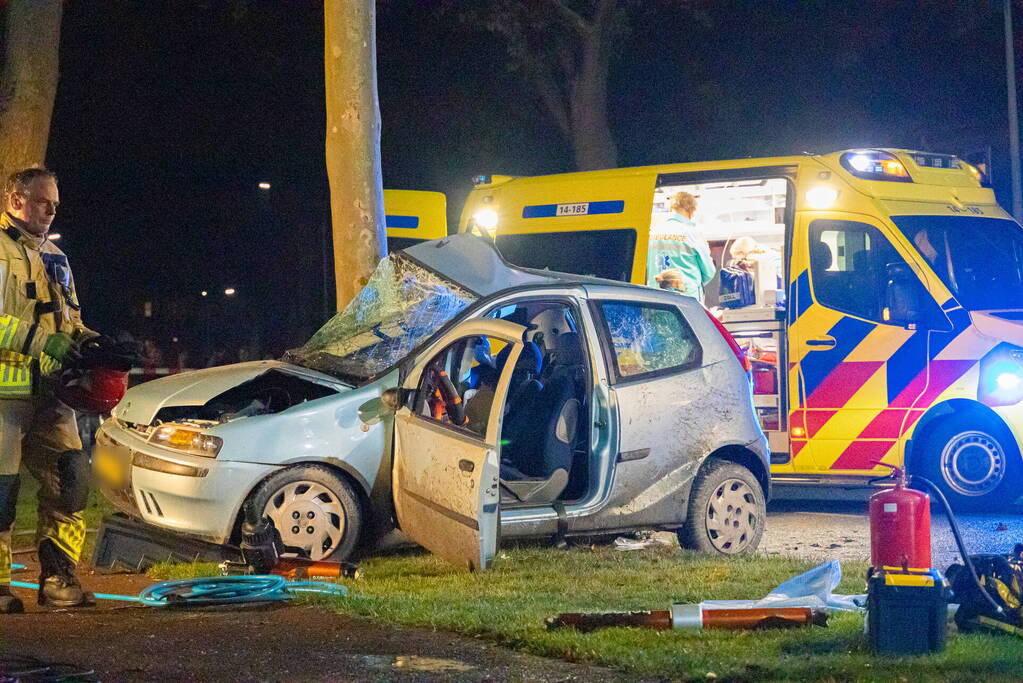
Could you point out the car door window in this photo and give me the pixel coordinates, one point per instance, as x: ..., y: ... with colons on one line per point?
x: 648, y: 339
x: 458, y: 385
x: 849, y: 264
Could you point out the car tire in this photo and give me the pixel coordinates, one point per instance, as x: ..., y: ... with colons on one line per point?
x: 313, y: 508
x: 727, y: 511
x: 975, y: 462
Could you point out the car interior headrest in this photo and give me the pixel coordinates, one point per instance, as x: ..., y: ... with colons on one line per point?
x: 820, y: 256
x: 569, y: 350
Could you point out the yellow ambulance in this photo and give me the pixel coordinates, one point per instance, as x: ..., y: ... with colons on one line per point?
x: 414, y: 216
x: 878, y: 293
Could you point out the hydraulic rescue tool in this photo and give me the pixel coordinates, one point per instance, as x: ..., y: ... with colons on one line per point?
x: 1001, y: 582
x: 695, y: 617
x: 262, y: 553
x: 97, y: 381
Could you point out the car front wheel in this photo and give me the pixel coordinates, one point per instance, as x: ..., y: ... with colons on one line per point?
x: 976, y: 463
x: 314, y: 509
x: 727, y: 511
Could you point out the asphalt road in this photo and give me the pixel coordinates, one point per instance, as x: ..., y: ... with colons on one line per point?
x: 840, y: 529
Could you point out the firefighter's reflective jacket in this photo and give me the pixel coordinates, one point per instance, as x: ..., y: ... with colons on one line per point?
x: 38, y: 299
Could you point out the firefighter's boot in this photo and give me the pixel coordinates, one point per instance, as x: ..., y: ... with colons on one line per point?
x: 10, y: 604
x: 58, y: 586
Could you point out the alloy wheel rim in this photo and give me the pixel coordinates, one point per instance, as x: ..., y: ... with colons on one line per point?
x: 731, y: 517
x: 973, y: 463
x: 309, y: 516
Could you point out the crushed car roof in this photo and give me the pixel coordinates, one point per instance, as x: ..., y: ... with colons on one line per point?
x: 475, y: 263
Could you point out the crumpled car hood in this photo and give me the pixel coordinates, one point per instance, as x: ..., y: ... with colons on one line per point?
x: 141, y: 403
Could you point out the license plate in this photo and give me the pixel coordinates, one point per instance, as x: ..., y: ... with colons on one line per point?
x: 111, y: 465
x: 578, y: 209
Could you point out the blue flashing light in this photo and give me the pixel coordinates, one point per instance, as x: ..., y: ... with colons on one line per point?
x: 1001, y: 376
x: 1007, y: 381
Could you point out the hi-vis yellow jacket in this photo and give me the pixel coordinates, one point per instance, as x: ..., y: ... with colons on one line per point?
x: 37, y: 298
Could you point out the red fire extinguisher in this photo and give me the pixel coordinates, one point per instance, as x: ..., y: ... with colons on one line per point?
x: 900, y: 526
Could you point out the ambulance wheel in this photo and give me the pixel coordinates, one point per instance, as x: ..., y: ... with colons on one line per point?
x: 727, y: 511
x: 314, y: 509
x: 974, y: 461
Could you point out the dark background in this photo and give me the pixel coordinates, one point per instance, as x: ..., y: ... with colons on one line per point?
x: 168, y: 114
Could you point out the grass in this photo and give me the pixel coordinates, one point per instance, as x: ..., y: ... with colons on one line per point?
x: 508, y: 604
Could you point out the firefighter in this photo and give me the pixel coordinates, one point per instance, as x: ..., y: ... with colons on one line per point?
x: 41, y: 330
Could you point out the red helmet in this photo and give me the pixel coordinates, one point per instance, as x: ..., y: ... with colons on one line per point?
x: 96, y: 390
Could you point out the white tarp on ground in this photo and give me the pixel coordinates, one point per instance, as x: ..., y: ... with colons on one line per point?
x: 814, y: 589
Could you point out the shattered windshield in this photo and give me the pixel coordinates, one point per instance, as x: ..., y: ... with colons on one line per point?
x: 400, y: 306
x: 979, y: 259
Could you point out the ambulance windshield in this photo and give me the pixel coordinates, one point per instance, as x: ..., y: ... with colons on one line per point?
x: 979, y: 259
x: 401, y: 305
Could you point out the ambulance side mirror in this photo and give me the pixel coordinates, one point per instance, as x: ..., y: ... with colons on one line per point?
x: 903, y: 304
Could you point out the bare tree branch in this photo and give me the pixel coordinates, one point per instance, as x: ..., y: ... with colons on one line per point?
x: 570, y: 17
x: 602, y: 16
x: 553, y: 101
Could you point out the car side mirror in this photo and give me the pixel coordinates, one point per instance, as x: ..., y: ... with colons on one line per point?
x: 902, y: 301
x: 376, y: 409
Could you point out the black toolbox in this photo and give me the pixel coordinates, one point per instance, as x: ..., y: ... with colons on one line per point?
x: 907, y: 611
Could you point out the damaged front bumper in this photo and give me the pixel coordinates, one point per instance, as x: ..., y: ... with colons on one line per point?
x: 184, y: 493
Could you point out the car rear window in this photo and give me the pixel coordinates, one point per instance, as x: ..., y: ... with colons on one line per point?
x: 648, y: 339
x: 597, y: 253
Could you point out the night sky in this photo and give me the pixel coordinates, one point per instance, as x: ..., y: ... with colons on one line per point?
x: 168, y: 114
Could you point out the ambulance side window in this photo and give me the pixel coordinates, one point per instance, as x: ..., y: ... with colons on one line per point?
x: 849, y: 266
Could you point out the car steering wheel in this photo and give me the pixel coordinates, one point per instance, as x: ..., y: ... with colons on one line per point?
x: 449, y: 394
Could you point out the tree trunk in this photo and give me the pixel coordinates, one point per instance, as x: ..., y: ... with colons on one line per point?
x: 353, y: 143
x: 592, y: 144
x: 29, y: 83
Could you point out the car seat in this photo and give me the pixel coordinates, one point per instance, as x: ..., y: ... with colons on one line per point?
x: 542, y: 443
x: 523, y: 392
x: 566, y: 359
x: 820, y: 256
x: 828, y: 285
x: 486, y: 368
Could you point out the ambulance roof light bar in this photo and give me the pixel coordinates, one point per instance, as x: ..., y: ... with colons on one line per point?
x: 874, y: 164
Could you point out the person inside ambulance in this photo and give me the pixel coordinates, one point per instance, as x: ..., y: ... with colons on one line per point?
x: 922, y: 241
x: 678, y: 245
x: 737, y: 285
x: 924, y: 245
x: 41, y: 331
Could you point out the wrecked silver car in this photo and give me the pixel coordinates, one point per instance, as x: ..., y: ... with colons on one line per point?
x: 459, y: 399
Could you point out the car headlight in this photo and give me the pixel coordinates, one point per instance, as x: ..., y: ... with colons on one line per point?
x: 188, y: 440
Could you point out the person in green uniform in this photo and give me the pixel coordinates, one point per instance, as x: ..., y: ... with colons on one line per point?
x: 678, y: 246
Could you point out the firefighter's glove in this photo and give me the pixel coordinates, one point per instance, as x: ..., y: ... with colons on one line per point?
x: 106, y: 352
x: 59, y: 350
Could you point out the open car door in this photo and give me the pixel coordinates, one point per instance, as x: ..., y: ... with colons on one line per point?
x: 446, y: 477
